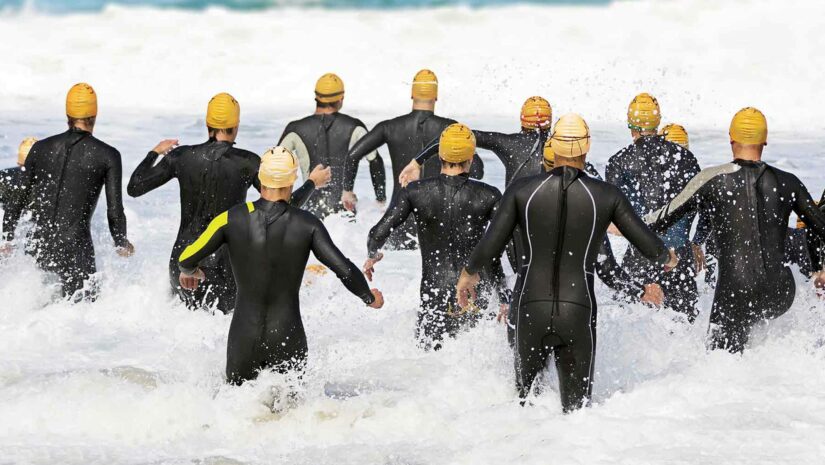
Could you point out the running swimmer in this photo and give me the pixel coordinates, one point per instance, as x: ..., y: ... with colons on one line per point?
x: 212, y: 176
x: 451, y: 212
x: 748, y: 203
x: 651, y: 172
x: 12, y: 178
x: 60, y: 184
x: 405, y: 137
x: 268, y: 243
x: 324, y: 138
x: 563, y: 216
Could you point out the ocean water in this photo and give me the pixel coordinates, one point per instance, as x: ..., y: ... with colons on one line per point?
x: 70, y: 6
x: 135, y: 378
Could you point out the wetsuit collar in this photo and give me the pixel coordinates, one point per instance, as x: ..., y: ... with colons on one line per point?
x: 743, y: 163
x: 568, y: 174
x: 216, y: 141
x: 456, y: 180
x: 76, y: 130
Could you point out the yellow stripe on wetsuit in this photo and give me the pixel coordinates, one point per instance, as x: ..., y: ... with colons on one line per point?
x: 216, y: 224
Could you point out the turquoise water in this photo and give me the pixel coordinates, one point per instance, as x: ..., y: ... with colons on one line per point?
x: 68, y: 6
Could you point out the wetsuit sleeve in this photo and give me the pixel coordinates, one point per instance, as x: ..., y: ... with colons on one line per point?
x: 208, y: 243
x: 149, y: 176
x: 114, y: 200
x: 637, y: 233
x: 366, y: 145
x: 378, y: 174
x: 490, y: 141
x: 300, y: 195
x: 18, y: 202
x: 352, y: 278
x: 498, y: 234
x: 505, y: 295
x: 477, y: 168
x: 430, y: 150
x: 396, y: 214
x: 703, y: 229
x: 812, y: 216
x: 816, y: 246
x: 613, y: 275
x: 293, y: 142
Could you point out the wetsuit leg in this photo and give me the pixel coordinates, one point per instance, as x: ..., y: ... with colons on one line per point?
x: 433, y: 316
x: 279, y: 343
x: 568, y: 332
x: 736, y: 309
x: 74, y: 264
x: 796, y: 250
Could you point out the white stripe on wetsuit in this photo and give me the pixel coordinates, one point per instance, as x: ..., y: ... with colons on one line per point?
x: 692, y: 187
x: 587, y: 286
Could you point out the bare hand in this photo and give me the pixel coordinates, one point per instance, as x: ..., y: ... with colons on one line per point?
x: 165, y: 146
x: 349, y: 200
x: 127, y: 250
x: 410, y: 173
x: 191, y: 282
x: 369, y: 265
x: 654, y: 295
x: 698, y: 257
x: 612, y: 229
x: 819, y: 281
x: 503, y: 310
x: 320, y: 176
x: 673, y: 262
x: 379, y: 299
x: 466, y: 288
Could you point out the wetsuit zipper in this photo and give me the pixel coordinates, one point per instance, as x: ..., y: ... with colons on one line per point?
x: 69, y: 151
x: 562, y: 207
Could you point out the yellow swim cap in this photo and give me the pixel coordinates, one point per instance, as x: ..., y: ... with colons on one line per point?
x: 549, y: 154
x: 536, y: 113
x: 749, y: 127
x: 571, y: 137
x: 675, y: 133
x: 279, y: 168
x: 24, y: 149
x: 329, y: 88
x: 457, y: 144
x: 81, y: 101
x: 643, y: 113
x: 425, y: 85
x: 223, y: 112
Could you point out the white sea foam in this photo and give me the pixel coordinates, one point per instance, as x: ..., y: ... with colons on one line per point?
x: 135, y: 378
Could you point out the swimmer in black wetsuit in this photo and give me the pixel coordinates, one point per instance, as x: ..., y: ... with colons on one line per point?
x: 405, y: 137
x: 61, y: 183
x: 11, y: 179
x: 748, y: 203
x: 324, y: 138
x: 526, y: 154
x: 451, y: 213
x: 651, y: 172
x: 564, y: 215
x: 268, y: 242
x: 212, y: 177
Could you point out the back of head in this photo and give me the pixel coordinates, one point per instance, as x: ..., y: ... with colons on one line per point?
x: 643, y: 113
x: 425, y: 86
x: 677, y: 134
x: 24, y: 149
x: 81, y: 102
x: 279, y: 168
x: 223, y: 112
x: 329, y: 89
x: 536, y: 113
x: 749, y: 127
x: 570, y: 139
x: 457, y: 144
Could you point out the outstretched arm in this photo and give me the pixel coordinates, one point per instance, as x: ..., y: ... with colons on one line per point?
x: 16, y: 204
x: 378, y: 175
x: 396, y: 214
x: 498, y: 234
x: 149, y: 176
x: 612, y: 274
x: 637, y: 233
x: 326, y: 251
x: 477, y: 168
x: 366, y: 145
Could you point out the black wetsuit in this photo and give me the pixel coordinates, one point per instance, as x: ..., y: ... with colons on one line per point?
x: 451, y: 214
x: 563, y: 216
x: 61, y: 185
x: 651, y: 172
x: 10, y: 181
x: 405, y: 137
x: 522, y: 156
x: 213, y: 177
x: 268, y: 244
x: 748, y: 205
x: 326, y: 140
